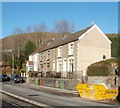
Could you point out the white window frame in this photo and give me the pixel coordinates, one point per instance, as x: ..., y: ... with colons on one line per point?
x: 53, y: 66
x: 59, y: 66
x: 40, y: 57
x: 70, y: 65
x: 35, y: 58
x: 70, y: 48
x: 60, y: 51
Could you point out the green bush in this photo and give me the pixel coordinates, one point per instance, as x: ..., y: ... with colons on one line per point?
x: 115, y: 46
x: 102, y: 68
x: 98, y: 70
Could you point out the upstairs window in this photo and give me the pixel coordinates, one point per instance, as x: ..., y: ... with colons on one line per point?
x: 35, y: 57
x: 40, y: 57
x: 70, y: 48
x: 48, y: 55
x: 60, y: 51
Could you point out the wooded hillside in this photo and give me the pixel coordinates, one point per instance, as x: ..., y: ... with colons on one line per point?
x: 38, y: 39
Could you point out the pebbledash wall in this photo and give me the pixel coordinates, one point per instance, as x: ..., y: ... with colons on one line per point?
x: 89, y: 46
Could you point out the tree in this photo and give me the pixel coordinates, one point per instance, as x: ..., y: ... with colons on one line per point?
x: 17, y: 45
x: 72, y: 27
x: 29, y: 48
x: 43, y: 27
x: 17, y: 31
x: 115, y: 46
x: 40, y: 29
x: 63, y: 26
x: 28, y: 29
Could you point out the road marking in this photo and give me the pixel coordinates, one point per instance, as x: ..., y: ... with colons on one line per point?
x: 26, y: 99
x: 12, y: 103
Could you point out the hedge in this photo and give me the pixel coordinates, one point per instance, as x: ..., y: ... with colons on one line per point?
x: 115, y: 46
x: 102, y: 68
x: 98, y: 71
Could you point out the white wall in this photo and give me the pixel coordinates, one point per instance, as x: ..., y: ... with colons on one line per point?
x: 36, y: 61
x: 30, y: 58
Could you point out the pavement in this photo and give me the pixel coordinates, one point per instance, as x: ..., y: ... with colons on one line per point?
x: 63, y: 92
x: 51, y: 89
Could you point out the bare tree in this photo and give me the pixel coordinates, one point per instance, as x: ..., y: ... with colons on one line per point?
x: 43, y: 27
x: 72, y: 27
x: 17, y: 31
x: 36, y: 28
x: 40, y: 29
x: 17, y: 44
x: 28, y: 29
x: 63, y: 26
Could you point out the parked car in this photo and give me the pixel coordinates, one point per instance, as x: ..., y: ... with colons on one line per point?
x: 16, y: 78
x: 4, y: 78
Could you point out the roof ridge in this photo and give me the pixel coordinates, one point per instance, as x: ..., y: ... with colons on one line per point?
x: 59, y: 42
x: 87, y: 28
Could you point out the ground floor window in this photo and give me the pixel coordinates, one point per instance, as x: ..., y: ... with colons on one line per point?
x: 41, y: 67
x: 70, y: 65
x: 59, y: 66
x: 53, y: 66
x: 48, y: 67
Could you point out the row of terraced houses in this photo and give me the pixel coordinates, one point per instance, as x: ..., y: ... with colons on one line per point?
x: 70, y: 55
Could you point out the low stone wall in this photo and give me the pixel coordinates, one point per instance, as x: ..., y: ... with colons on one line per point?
x: 71, y: 84
x: 30, y: 80
x: 110, y: 80
x: 68, y: 83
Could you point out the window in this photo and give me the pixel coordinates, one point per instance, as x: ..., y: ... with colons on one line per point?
x: 70, y: 49
x: 60, y: 51
x: 48, y: 55
x: 31, y: 68
x: 53, y: 66
x: 70, y: 65
x: 48, y: 67
x: 59, y: 66
x: 35, y: 58
x: 104, y: 57
x: 40, y: 57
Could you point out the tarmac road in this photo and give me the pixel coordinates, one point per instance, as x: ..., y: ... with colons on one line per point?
x: 11, y: 102
x: 51, y: 98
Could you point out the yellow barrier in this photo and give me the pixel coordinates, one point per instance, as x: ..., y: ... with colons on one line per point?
x: 96, y: 92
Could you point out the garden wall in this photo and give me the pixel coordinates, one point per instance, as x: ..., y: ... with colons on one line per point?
x: 71, y: 84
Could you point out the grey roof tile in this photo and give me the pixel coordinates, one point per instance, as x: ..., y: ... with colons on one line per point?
x: 69, y: 38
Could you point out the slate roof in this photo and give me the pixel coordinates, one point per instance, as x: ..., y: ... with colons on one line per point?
x: 60, y: 41
x: 37, y: 50
x: 69, y: 38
